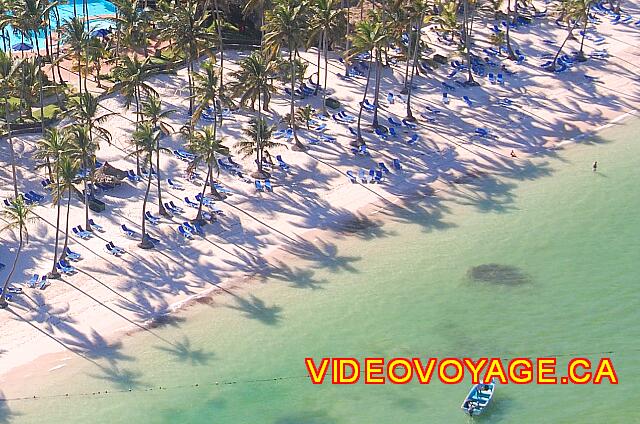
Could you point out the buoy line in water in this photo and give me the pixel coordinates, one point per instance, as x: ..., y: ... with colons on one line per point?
x: 250, y: 381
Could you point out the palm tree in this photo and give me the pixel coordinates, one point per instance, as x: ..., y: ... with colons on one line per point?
x: 327, y: 17
x: 17, y: 215
x: 187, y: 27
x: 84, y: 150
x: 28, y: 19
x: 206, y: 148
x: 257, y: 139
x: 8, y: 71
x: 286, y: 25
x: 67, y: 169
x: 152, y: 112
x: 466, y: 29
x: 253, y: 81
x: 419, y: 9
x: 145, y: 140
x: 581, y: 9
x: 205, y: 89
x: 74, y: 36
x: 132, y: 74
x: 512, y: 55
x: 368, y: 38
x: 54, y: 145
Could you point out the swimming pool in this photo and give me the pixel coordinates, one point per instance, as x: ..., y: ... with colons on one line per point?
x: 96, y: 8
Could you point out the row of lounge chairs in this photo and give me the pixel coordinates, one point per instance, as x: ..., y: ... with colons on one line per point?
x: 267, y: 185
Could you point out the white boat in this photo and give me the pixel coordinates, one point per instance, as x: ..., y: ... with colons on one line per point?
x: 478, y: 398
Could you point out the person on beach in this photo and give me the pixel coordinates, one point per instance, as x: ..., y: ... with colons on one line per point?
x: 513, y: 154
x: 595, y: 166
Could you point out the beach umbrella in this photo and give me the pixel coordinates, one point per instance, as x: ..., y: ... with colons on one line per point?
x: 22, y: 47
x: 102, y: 32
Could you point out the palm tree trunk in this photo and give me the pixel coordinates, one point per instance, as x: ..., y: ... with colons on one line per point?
x: 204, y: 190
x: 54, y: 272
x: 145, y: 243
x: 467, y: 41
x: 220, y: 41
x: 297, y: 145
x: 359, y: 141
x: 86, y: 195
x: 326, y: 73
x: 161, y: 209
x: 413, y: 70
x: 346, y: 41
x: 512, y: 55
x: 136, y: 95
x: 3, y: 298
x: 41, y: 89
x: 555, y: 58
x: 13, y: 153
x: 406, y: 68
x: 581, y: 56
x: 315, y: 92
x: 376, y: 92
x: 66, y: 232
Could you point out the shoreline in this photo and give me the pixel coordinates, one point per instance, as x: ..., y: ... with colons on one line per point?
x: 50, y: 362
x: 273, y: 239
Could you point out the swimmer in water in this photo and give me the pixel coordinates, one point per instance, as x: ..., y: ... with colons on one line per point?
x: 595, y: 166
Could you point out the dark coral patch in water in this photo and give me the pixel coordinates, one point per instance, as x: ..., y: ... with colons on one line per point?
x: 499, y: 274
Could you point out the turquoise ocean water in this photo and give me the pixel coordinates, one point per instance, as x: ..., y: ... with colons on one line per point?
x: 539, y: 264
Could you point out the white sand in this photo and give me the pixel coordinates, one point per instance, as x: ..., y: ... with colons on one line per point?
x: 113, y: 295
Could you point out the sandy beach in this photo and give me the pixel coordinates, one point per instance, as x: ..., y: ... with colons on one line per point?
x: 261, y: 234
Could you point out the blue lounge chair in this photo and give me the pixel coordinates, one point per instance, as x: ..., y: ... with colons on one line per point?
x: 378, y: 176
x: 353, y: 131
x: 283, y: 165
x: 46, y: 183
x: 174, y: 185
x: 267, y: 185
x: 320, y: 128
x: 192, y: 228
x: 467, y: 101
x: 204, y: 199
x: 329, y: 138
x: 383, y: 167
x: 111, y: 250
x: 396, y: 164
x: 413, y: 139
x: 152, y: 219
x: 393, y: 132
x: 372, y: 175
x: 81, y: 233
x: 33, y: 281
x: 175, y: 207
x: 380, y: 133
x: 369, y: 107
x: 445, y: 98
x: 390, y: 98
x: 259, y: 186
x: 171, y: 209
x: 131, y: 176
x: 362, y: 175
x: 190, y: 203
x: 185, y: 232
x: 43, y: 283
x: 409, y: 124
x: 116, y: 248
x: 73, y: 256
x: 394, y: 121
x: 492, y: 78
x: 481, y: 132
x: 352, y: 177
x: 127, y: 231
x: 62, y: 266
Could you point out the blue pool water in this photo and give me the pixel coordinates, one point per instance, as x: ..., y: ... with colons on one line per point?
x: 96, y: 8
